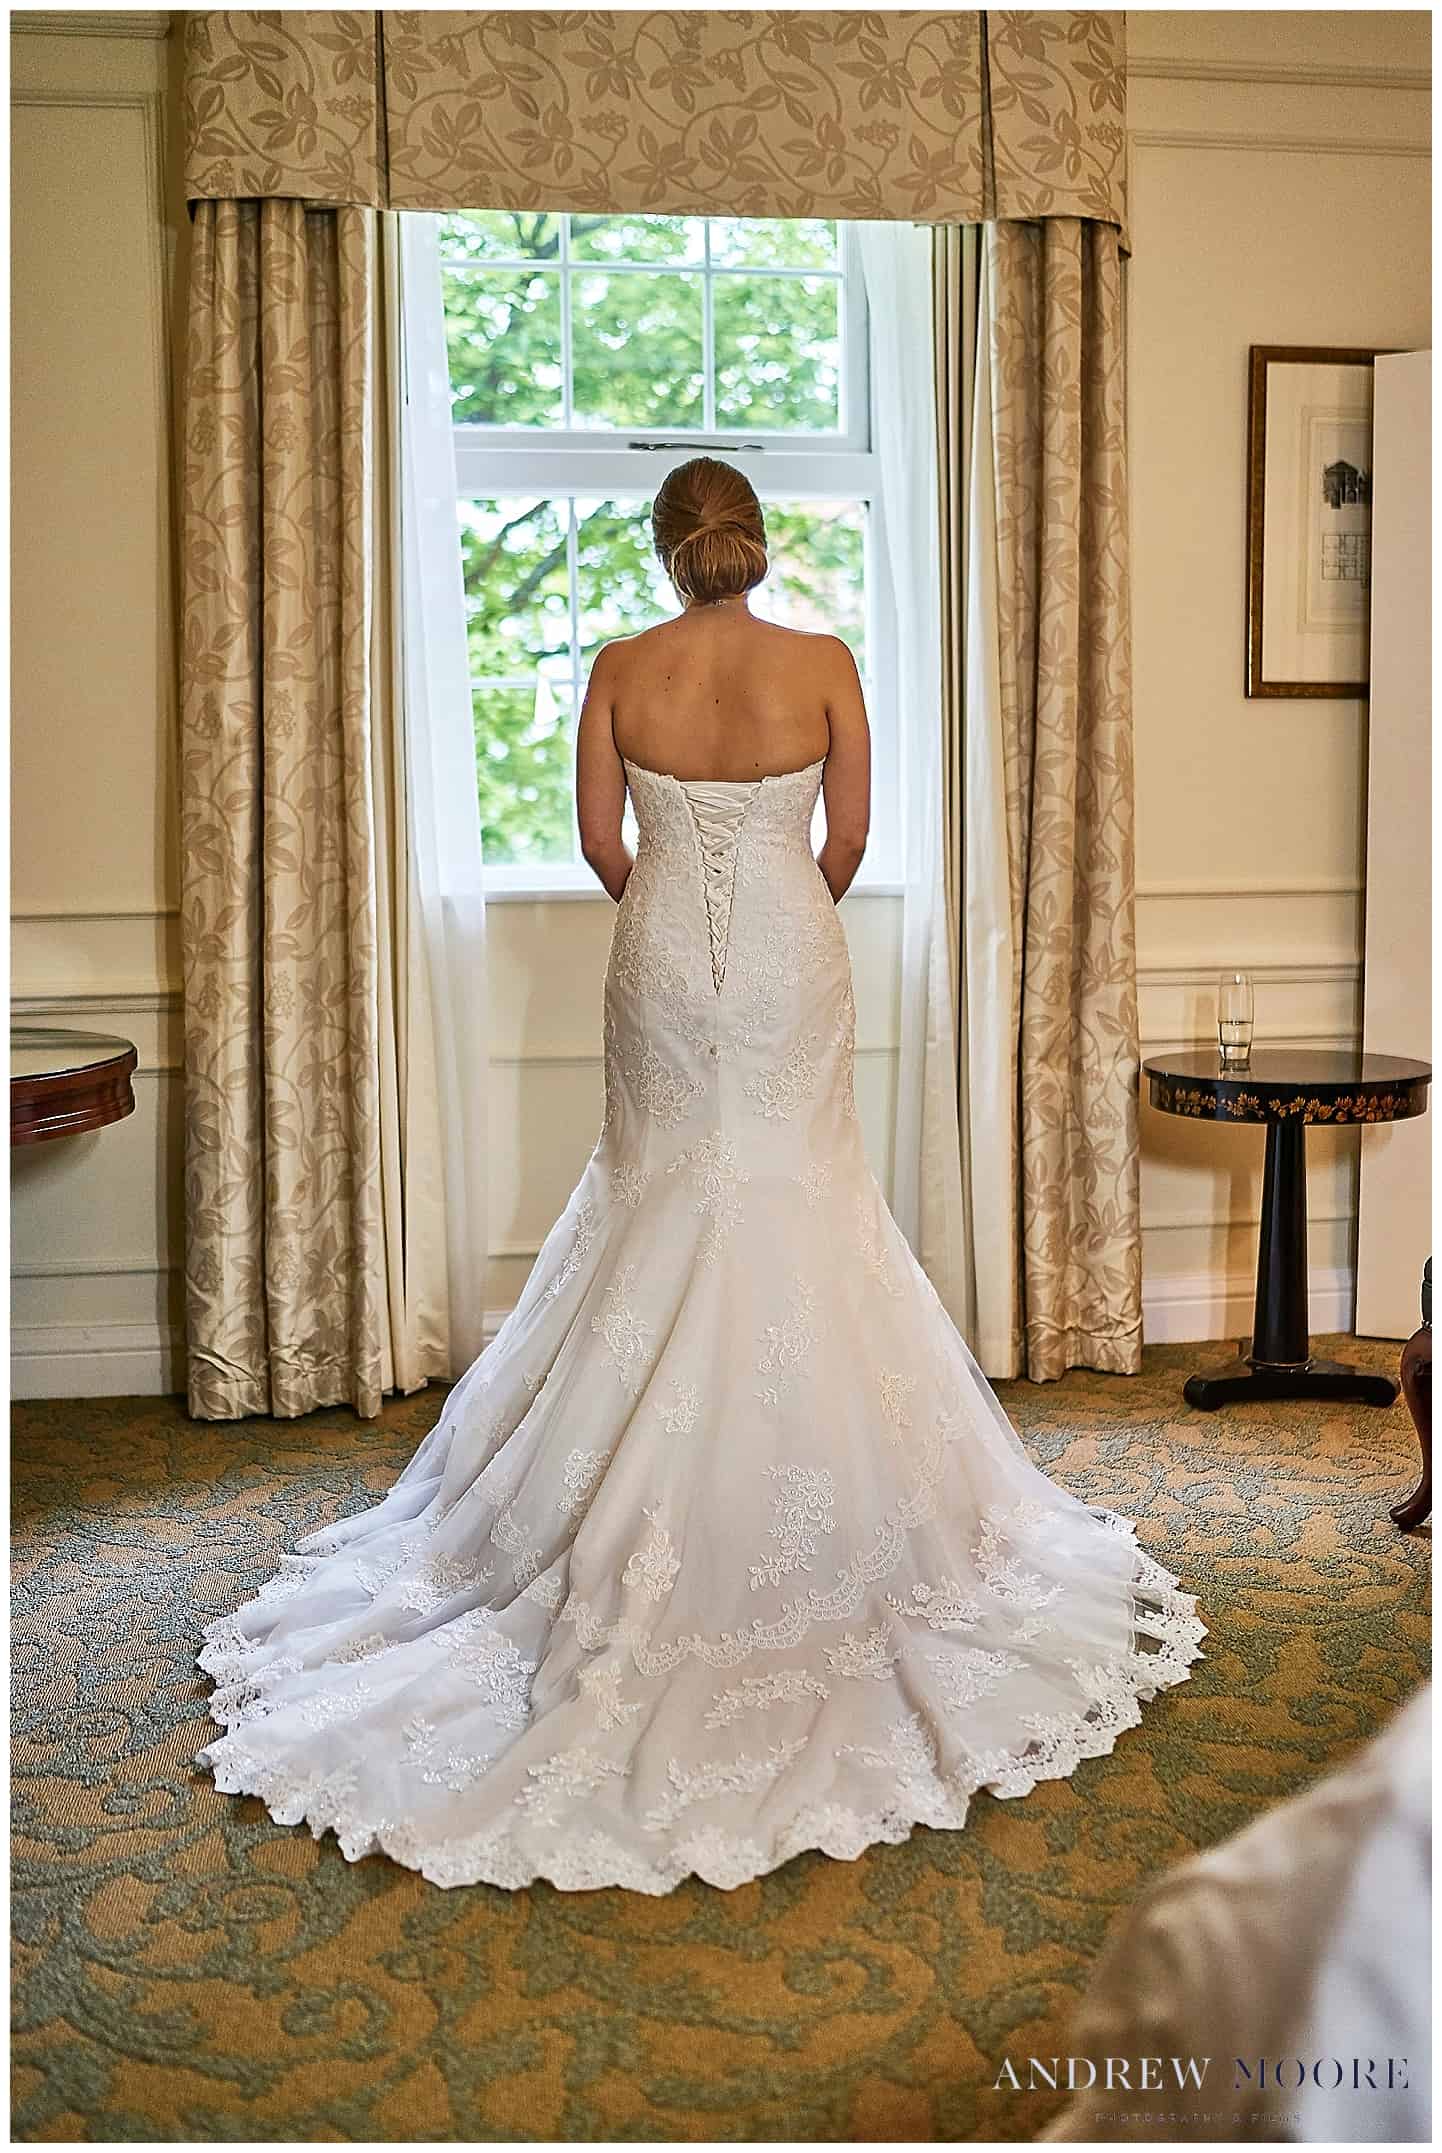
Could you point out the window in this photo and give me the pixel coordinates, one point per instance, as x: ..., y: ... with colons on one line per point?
x: 588, y: 354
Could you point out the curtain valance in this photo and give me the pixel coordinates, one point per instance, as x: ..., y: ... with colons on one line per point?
x: 945, y: 117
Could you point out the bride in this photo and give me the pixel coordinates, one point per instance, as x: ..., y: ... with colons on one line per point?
x: 724, y: 1548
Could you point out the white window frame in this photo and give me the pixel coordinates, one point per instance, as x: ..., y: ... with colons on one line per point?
x: 553, y: 462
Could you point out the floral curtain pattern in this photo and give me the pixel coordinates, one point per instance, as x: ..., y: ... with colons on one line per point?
x: 284, y: 1266
x: 946, y: 117
x: 1064, y: 649
x: 284, y: 104
x: 1057, y: 107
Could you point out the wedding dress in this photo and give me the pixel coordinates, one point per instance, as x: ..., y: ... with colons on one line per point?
x: 724, y: 1548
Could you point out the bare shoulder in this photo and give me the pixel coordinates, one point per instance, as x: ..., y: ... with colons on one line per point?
x: 811, y: 647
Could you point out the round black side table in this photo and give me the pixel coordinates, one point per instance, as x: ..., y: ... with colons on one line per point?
x: 1288, y: 1089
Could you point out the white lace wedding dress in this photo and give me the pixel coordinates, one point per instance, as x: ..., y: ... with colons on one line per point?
x: 724, y: 1548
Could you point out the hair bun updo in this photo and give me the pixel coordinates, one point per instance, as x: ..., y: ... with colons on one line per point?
x: 708, y: 530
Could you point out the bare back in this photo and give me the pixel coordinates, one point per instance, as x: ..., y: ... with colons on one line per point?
x: 717, y: 694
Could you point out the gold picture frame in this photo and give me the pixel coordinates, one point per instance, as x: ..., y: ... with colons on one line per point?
x: 1309, y: 431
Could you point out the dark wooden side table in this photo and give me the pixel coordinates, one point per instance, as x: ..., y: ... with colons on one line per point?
x: 1288, y: 1089
x: 62, y: 1083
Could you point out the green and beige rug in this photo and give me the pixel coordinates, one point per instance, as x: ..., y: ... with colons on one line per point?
x: 185, y: 1969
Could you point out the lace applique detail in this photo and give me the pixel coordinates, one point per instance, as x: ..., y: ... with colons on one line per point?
x: 718, y: 1857
x: 815, y: 1182
x: 288, y: 1580
x: 680, y: 1417
x: 477, y: 1650
x: 908, y: 1754
x: 252, y: 1693
x: 439, y: 1579
x: 716, y: 1170
x: 625, y: 1336
x: 756, y: 1693
x: 743, y: 1775
x: 359, y: 1648
x: 629, y: 1184
x: 872, y: 1656
x: 547, y: 1592
x: 896, y: 1393
x: 439, y: 1766
x: 871, y: 1245
x: 581, y: 1475
x: 966, y: 1675
x: 600, y: 1684
x: 780, y: 1092
x: 869, y: 1566
x: 512, y: 1539
x: 787, y: 1343
x: 569, y: 1777
x: 654, y: 1568
x: 578, y: 1252
x: 330, y: 1708
x: 1002, y: 1574
x: 941, y: 1607
x: 374, y: 1576
x: 667, y: 1094
x: 803, y: 1507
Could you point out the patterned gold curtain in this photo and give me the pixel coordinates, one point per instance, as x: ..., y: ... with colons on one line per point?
x: 1057, y: 627
x: 284, y: 1282
x: 948, y: 117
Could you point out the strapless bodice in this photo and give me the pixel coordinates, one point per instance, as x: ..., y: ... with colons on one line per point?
x: 712, y: 813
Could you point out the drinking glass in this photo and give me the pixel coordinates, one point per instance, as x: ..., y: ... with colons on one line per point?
x: 1234, y: 1018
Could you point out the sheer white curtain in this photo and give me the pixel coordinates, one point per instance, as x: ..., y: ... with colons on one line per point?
x: 437, y: 1179
x: 927, y: 1196
x: 988, y: 1087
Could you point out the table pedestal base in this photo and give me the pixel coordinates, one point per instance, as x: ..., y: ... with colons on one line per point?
x: 1242, y: 1379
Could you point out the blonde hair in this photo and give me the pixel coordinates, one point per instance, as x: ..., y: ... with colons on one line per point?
x: 708, y: 531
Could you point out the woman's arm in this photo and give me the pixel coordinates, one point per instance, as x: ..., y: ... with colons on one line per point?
x: 601, y: 781
x: 847, y: 781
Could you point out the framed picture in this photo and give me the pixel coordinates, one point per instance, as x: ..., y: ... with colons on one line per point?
x: 1309, y: 520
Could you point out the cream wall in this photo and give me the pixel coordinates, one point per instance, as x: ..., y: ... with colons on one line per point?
x: 96, y: 1219
x: 1250, y: 815
x: 1280, y: 190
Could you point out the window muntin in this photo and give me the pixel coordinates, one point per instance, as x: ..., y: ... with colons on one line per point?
x: 588, y: 354
x: 645, y: 324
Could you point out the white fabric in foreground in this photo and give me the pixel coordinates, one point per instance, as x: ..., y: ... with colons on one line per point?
x: 725, y: 1548
x: 1304, y: 1940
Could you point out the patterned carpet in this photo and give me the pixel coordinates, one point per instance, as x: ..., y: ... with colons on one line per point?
x: 184, y: 1969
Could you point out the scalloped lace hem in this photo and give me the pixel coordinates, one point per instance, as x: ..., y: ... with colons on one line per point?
x: 590, y: 1860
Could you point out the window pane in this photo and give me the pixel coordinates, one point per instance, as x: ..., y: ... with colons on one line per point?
x: 499, y: 235
x: 525, y: 757
x: 636, y: 341
x: 623, y: 587
x: 774, y: 243
x: 818, y: 569
x: 518, y: 603
x: 637, y: 239
x: 778, y: 353
x: 503, y: 338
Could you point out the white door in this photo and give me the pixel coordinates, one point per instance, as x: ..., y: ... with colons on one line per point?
x: 1394, y: 1224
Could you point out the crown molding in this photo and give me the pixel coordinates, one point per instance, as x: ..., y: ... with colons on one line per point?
x: 153, y: 25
